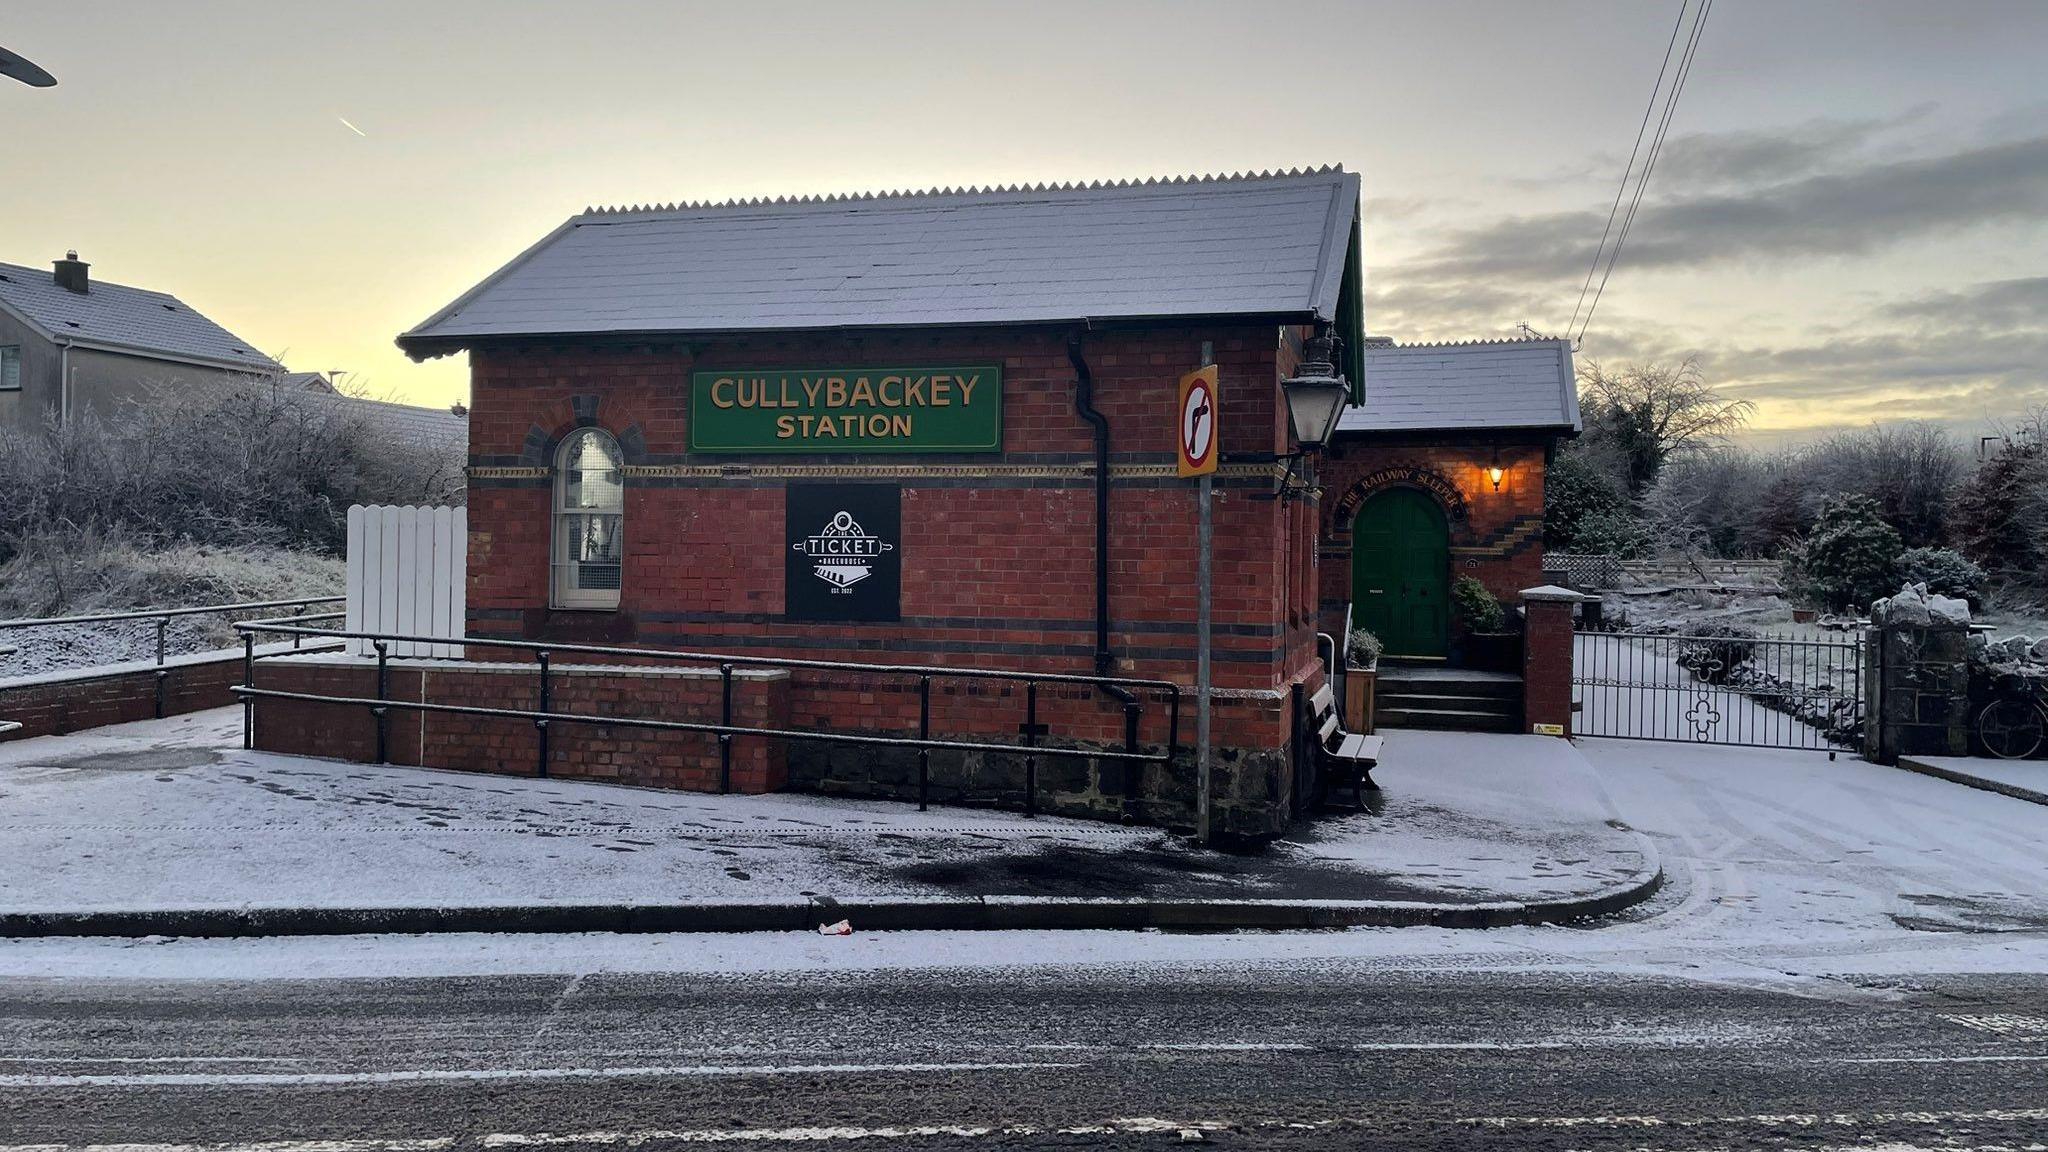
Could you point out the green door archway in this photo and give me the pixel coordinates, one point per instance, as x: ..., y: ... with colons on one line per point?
x: 1401, y: 572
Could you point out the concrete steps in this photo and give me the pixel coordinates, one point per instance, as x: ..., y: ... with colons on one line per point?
x: 1448, y: 699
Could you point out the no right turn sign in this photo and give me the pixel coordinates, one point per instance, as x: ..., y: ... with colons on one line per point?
x: 1196, y: 431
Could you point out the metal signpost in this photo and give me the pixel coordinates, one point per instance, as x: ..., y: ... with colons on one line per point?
x: 1196, y: 434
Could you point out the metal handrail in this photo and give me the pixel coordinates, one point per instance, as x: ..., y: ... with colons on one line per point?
x: 162, y: 617
x: 713, y: 657
x: 725, y: 729
x: 167, y: 613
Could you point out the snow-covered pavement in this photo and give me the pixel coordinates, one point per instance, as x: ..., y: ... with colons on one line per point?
x: 1783, y: 869
x: 175, y: 815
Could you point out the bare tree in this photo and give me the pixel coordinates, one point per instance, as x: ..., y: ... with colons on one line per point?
x: 1646, y: 415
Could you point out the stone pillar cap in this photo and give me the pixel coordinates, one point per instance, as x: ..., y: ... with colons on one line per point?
x: 1552, y: 592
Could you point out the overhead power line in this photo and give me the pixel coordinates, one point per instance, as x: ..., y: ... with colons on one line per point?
x: 1629, y: 169
x: 1692, y: 43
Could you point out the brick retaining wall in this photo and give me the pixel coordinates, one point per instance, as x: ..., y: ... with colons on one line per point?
x: 92, y: 699
x: 1253, y: 784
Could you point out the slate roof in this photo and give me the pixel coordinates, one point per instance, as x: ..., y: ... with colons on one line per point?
x: 1265, y: 245
x: 118, y: 317
x: 1484, y: 384
x: 435, y: 428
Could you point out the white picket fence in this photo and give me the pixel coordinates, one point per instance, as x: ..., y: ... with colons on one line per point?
x: 407, y: 568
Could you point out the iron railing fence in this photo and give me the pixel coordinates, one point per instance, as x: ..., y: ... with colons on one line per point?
x: 545, y: 716
x: 1757, y: 691
x: 162, y: 618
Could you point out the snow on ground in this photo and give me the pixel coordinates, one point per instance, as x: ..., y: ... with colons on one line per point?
x: 62, y: 647
x: 1826, y: 879
x: 2031, y: 775
x: 174, y: 814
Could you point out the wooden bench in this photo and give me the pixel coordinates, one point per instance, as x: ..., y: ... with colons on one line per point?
x: 1341, y: 756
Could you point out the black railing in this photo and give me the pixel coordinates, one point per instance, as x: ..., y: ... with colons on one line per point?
x: 1745, y: 689
x: 545, y: 716
x: 163, y: 617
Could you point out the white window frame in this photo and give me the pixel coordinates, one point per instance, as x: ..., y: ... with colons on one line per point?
x: 565, y: 588
x: 10, y: 353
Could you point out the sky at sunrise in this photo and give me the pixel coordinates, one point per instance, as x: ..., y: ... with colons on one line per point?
x: 1848, y: 223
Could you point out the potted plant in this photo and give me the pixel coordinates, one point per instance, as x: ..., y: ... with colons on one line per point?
x: 1361, y: 674
x: 1486, y: 641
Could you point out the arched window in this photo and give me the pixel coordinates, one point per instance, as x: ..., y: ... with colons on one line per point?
x: 590, y: 506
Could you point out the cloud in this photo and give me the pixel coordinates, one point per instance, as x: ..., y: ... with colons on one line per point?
x: 1751, y: 157
x: 1725, y: 202
x: 1997, y: 304
x: 1850, y: 212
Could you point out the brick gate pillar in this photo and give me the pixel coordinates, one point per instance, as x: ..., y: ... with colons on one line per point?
x: 1547, y: 659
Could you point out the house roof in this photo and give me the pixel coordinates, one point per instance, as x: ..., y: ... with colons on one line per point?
x: 1483, y: 384
x: 1270, y: 245
x: 435, y: 428
x: 123, y: 319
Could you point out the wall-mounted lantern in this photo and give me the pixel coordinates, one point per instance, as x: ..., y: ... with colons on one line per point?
x: 1316, y: 395
x: 1494, y: 472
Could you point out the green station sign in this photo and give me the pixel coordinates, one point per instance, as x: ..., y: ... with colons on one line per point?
x: 950, y: 409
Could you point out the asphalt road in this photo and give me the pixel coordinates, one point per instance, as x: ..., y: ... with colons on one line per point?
x: 1298, y: 1055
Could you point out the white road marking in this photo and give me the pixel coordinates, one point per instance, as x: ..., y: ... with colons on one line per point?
x: 2001, y: 1023
x: 425, y: 1145
x: 1128, y: 1125
x: 1774, y: 1119
x: 2011, y: 1059
x: 293, y: 1079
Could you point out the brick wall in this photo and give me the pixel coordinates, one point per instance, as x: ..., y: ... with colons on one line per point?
x: 1547, y: 662
x: 998, y: 549
x: 1496, y: 536
x: 1252, y: 791
x: 92, y: 700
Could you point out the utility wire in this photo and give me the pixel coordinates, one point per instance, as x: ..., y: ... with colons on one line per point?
x: 1692, y: 44
x: 1629, y: 170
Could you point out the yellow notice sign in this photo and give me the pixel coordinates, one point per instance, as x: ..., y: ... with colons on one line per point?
x: 1195, y: 422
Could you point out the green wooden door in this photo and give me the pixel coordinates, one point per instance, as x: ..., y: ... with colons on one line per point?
x: 1401, y: 571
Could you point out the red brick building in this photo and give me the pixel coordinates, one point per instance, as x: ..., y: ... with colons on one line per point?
x: 1439, y: 474
x: 880, y: 429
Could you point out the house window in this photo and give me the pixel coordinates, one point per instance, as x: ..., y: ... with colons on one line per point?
x: 10, y: 367
x: 590, y: 505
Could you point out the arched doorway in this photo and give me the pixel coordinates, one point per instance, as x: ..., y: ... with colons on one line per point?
x: 1401, y: 571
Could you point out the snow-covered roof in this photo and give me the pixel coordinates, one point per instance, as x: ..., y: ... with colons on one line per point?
x: 1482, y: 384
x: 124, y: 319
x: 434, y: 428
x: 1269, y: 245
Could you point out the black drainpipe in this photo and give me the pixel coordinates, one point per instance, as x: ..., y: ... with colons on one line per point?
x: 1084, y: 407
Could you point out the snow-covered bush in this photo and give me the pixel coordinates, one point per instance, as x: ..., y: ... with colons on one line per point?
x: 1945, y: 572
x: 231, y: 465
x: 81, y: 571
x: 2001, y: 517
x: 1715, y: 650
x: 1849, y: 558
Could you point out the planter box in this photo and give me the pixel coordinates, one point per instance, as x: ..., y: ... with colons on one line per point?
x: 1493, y: 651
x: 1359, y: 688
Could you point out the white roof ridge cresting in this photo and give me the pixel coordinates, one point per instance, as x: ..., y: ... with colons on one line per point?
x: 1242, y: 248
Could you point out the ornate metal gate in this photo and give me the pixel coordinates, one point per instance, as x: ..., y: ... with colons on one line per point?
x: 1761, y: 691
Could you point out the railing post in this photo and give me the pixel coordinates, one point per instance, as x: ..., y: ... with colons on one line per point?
x: 924, y: 732
x: 248, y: 681
x: 297, y: 612
x: 380, y: 710
x: 547, y: 704
x: 163, y: 624
x: 1030, y: 740
x: 725, y: 719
